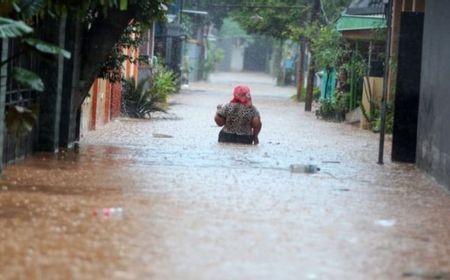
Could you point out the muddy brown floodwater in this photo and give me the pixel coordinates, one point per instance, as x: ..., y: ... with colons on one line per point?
x: 161, y: 199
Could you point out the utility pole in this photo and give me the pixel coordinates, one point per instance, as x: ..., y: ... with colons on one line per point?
x: 200, y: 41
x: 388, y: 15
x: 301, y: 68
x: 312, y: 68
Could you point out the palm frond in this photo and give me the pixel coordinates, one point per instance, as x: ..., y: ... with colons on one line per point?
x: 47, y: 48
x: 139, y: 102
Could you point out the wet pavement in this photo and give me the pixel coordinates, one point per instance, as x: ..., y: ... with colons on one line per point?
x: 161, y: 199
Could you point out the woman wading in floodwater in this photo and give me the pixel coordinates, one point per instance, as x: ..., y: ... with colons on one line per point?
x: 240, y: 119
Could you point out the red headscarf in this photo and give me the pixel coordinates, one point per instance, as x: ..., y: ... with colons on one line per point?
x: 241, y: 95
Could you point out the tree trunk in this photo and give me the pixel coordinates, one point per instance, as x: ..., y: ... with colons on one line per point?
x: 310, y: 85
x: 205, y: 43
x: 312, y: 69
x: 279, y: 64
x: 97, y: 44
x: 201, y: 43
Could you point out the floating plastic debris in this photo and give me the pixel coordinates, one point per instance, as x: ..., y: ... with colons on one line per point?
x: 386, y: 223
x: 160, y: 135
x: 331, y: 161
x: 116, y: 212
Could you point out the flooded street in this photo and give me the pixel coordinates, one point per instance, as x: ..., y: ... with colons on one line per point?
x: 161, y: 199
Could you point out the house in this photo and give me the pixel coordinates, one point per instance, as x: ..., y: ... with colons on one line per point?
x: 420, y: 83
x: 432, y: 130
x: 404, y: 82
x: 169, y: 37
x: 64, y: 113
x: 362, y: 26
x: 104, y: 100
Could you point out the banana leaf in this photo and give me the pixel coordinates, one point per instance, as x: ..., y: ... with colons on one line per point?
x: 28, y: 79
x: 47, y: 48
x: 13, y: 28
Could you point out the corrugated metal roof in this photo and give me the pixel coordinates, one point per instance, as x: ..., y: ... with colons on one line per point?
x: 365, y: 7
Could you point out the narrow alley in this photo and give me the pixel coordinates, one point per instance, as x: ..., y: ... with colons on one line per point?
x: 162, y: 199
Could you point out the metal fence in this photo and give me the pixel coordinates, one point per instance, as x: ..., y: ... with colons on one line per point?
x: 16, y: 147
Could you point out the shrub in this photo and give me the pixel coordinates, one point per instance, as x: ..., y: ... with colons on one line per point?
x: 316, y: 95
x: 373, y: 117
x: 164, y: 81
x: 215, y: 56
x: 333, y: 109
x: 375, y: 123
x: 139, y: 102
x: 140, y: 99
x: 327, y: 109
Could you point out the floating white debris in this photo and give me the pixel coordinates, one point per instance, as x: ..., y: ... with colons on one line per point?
x: 386, y: 223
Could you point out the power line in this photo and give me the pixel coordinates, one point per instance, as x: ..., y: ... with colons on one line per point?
x: 260, y: 6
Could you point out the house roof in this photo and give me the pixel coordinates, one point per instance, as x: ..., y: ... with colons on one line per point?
x: 365, y: 7
x: 351, y: 22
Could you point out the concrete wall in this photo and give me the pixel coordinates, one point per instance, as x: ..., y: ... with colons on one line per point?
x: 237, y: 56
x: 86, y: 116
x: 433, y: 142
x: 193, y: 53
x: 104, y: 99
x: 233, y: 54
x: 96, y: 109
x: 372, y: 86
x: 226, y: 45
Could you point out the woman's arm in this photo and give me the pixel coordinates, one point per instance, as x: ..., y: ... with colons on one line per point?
x: 220, y: 121
x: 256, y: 126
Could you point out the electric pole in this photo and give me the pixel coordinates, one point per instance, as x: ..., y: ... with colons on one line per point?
x: 315, y: 16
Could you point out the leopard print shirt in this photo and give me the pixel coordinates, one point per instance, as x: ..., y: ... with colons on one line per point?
x: 238, y: 118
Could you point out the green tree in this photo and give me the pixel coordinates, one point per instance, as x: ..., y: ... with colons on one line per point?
x: 332, y: 10
x: 271, y: 18
x: 319, y: 19
x: 217, y: 10
x: 306, y: 21
x: 101, y: 24
x: 94, y: 31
